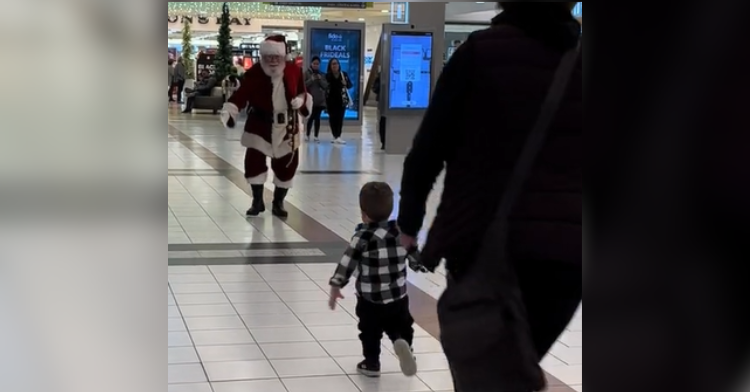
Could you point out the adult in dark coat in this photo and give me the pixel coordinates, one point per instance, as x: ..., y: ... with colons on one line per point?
x: 485, y: 104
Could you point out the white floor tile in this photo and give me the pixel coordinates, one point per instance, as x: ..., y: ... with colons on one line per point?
x: 202, y: 299
x: 262, y: 308
x: 248, y: 287
x: 222, y: 338
x: 437, y: 381
x: 181, y: 355
x: 179, y: 339
x: 320, y: 384
x: 303, y: 296
x: 346, y: 348
x: 324, y: 334
x: 281, y: 335
x: 249, y: 386
x: 253, y: 297
x: 327, y: 320
x: 214, y: 323
x: 176, y: 325
x: 201, y: 387
x: 294, y: 350
x: 249, y: 352
x: 180, y: 374
x: 432, y: 362
x: 197, y: 288
x: 240, y: 371
x: 390, y: 383
x: 207, y: 310
x: 271, y: 320
x: 310, y: 367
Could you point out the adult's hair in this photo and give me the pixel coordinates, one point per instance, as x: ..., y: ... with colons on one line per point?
x: 170, y: 62
x: 519, y: 5
x: 376, y: 201
x: 330, y: 66
x: 314, y: 59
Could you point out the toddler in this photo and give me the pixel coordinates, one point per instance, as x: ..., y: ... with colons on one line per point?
x: 380, y: 262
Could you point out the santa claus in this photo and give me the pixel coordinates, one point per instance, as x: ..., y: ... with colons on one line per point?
x: 277, y: 102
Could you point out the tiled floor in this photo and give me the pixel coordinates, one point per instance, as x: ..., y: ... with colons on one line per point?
x: 266, y: 327
x: 275, y: 331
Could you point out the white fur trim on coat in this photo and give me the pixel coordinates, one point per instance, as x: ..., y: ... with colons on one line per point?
x: 280, y: 148
x: 258, y: 180
x: 230, y: 110
x: 272, y: 48
x: 283, y: 184
x: 308, y: 100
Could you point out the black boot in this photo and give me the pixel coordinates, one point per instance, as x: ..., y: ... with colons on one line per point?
x: 259, y: 206
x: 278, y: 203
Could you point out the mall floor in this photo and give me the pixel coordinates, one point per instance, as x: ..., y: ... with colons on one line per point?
x: 247, y: 305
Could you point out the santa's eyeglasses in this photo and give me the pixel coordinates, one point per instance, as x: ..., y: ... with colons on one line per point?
x: 273, y: 58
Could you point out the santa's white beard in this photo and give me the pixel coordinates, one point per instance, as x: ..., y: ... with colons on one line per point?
x: 273, y: 71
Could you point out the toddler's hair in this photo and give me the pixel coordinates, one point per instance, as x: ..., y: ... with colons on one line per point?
x: 376, y: 201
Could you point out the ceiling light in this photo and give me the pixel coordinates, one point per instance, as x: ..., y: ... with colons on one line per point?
x: 385, y: 11
x: 361, y: 19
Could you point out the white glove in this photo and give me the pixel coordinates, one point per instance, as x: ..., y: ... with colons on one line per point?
x: 297, y: 103
x: 230, y: 111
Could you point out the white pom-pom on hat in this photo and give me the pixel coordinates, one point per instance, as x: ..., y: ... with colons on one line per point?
x: 274, y: 45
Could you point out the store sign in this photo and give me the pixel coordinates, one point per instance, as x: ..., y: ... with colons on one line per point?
x: 324, y: 5
x: 204, y: 20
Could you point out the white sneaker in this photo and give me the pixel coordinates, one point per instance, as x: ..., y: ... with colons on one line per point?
x: 406, y: 358
x: 317, y: 140
x: 339, y: 141
x: 307, y: 138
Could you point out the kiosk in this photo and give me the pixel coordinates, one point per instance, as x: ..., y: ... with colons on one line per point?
x: 346, y: 42
x: 407, y: 81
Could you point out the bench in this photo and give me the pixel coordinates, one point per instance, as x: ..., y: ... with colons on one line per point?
x: 214, y: 102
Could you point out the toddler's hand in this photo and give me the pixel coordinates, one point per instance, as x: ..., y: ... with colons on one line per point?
x: 335, y: 297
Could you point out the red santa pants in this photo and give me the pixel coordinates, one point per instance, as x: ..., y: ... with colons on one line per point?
x: 284, y: 168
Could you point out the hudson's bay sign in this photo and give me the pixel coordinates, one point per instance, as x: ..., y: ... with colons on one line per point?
x: 205, y: 20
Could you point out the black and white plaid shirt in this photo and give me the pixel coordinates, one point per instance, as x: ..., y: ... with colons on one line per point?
x: 378, y: 258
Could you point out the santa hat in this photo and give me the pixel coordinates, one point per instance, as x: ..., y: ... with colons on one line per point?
x: 274, y: 45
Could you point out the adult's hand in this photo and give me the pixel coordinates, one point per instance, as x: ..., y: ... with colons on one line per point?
x: 409, y: 243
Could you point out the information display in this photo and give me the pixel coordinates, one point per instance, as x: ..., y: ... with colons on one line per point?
x: 345, y: 46
x: 411, y: 70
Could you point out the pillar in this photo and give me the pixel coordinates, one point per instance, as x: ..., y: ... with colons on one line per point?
x: 431, y: 15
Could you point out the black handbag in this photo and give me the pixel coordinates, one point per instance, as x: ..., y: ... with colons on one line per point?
x: 482, y: 317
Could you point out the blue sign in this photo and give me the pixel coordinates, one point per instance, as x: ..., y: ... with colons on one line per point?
x: 578, y: 10
x: 400, y: 13
x: 411, y: 70
x: 346, y: 47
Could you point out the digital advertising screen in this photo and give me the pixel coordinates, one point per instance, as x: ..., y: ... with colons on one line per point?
x: 411, y: 70
x: 346, y: 46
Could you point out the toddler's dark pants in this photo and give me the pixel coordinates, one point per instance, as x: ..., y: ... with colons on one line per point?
x: 393, y: 319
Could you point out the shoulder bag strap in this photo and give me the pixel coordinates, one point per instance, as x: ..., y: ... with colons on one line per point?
x: 538, y: 135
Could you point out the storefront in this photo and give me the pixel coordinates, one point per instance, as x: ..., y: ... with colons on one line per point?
x: 249, y: 23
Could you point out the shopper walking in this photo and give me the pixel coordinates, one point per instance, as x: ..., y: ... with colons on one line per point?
x: 337, y: 98
x: 317, y: 86
x: 179, y: 78
x: 514, y: 263
x: 170, y: 79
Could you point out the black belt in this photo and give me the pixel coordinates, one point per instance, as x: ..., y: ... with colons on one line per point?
x: 268, y: 117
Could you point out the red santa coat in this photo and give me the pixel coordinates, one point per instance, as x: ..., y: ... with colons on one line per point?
x: 269, y: 98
